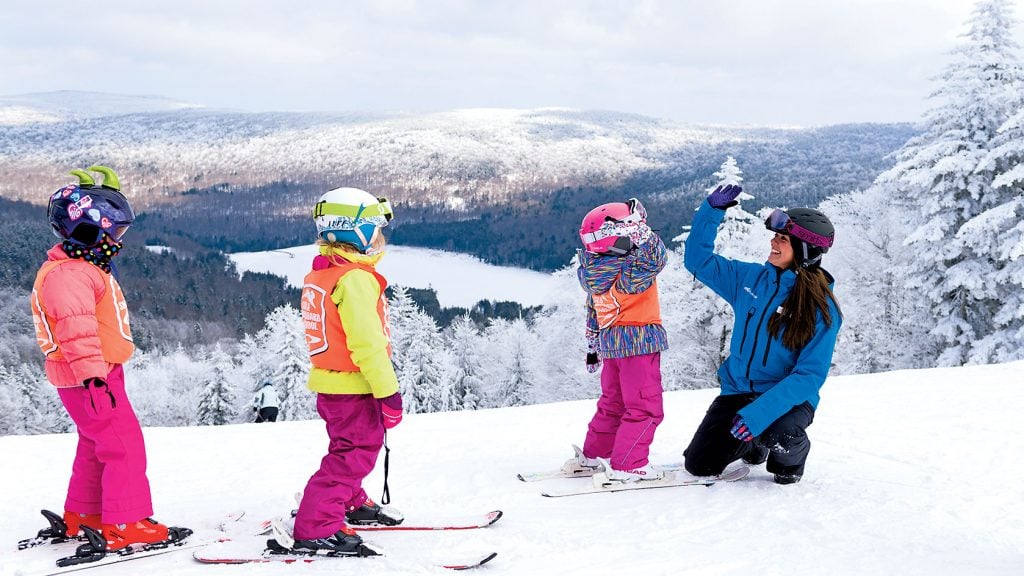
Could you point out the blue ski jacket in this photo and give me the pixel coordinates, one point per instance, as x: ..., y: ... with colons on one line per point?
x: 759, y: 363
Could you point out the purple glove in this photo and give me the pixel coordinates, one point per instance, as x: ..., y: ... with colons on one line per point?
x: 593, y: 352
x: 391, y: 410
x: 740, y: 430
x: 725, y: 196
x: 99, y: 400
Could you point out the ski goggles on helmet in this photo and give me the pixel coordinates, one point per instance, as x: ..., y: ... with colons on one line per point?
x: 617, y: 228
x: 382, y: 208
x: 779, y: 221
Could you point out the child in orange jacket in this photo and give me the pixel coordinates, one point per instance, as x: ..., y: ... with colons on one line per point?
x: 81, y: 324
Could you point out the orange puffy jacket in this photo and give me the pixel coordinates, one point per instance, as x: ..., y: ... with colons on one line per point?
x: 81, y: 320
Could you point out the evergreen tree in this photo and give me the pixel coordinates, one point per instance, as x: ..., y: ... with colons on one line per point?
x: 217, y: 403
x: 422, y: 363
x: 466, y: 383
x: 560, y: 330
x: 519, y: 344
x: 42, y: 411
x: 704, y: 320
x: 880, y: 327
x: 946, y: 176
x: 12, y: 405
x: 287, y: 341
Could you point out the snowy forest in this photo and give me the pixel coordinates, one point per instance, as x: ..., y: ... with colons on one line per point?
x: 928, y: 261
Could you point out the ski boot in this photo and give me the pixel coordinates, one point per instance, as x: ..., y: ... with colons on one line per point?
x: 74, y: 522
x: 370, y: 514
x: 61, y: 529
x: 641, y: 474
x: 787, y: 478
x: 124, y: 540
x: 580, y: 465
x: 147, y: 531
x: 344, y: 542
x: 757, y: 453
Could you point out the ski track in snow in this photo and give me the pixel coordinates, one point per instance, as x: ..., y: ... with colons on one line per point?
x: 901, y: 480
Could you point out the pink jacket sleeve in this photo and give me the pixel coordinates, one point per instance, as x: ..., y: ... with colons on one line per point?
x: 70, y: 293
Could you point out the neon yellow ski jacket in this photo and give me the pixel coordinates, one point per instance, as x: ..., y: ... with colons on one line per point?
x: 356, y: 296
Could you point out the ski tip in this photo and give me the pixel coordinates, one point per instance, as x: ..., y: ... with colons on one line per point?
x: 520, y: 476
x: 493, y: 516
x: 471, y: 565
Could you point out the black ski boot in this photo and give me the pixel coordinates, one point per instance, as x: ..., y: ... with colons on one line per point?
x: 757, y: 453
x: 344, y: 542
x: 787, y: 478
x: 370, y: 513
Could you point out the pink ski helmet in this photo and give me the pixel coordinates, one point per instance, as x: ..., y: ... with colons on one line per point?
x: 601, y: 233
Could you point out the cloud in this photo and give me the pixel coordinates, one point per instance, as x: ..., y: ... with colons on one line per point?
x: 742, y: 61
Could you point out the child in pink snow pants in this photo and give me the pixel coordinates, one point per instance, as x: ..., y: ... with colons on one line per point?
x: 344, y: 312
x: 81, y: 323
x: 618, y: 270
x: 110, y: 459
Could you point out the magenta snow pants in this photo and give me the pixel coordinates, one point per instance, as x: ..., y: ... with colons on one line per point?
x: 109, y: 473
x: 356, y: 434
x: 628, y: 411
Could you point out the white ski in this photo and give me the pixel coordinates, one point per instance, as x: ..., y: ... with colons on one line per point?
x: 583, y: 473
x: 602, y: 484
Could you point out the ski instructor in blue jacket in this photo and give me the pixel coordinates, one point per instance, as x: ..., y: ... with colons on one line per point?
x: 787, y: 319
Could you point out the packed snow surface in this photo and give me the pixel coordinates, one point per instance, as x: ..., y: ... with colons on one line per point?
x: 911, y: 472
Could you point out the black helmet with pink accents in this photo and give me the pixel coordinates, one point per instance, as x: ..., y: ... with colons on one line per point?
x: 810, y: 233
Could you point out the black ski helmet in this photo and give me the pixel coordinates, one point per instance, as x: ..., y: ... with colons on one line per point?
x: 806, y: 253
x: 83, y: 213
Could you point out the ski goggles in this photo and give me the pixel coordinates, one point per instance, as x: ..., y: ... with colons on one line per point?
x: 779, y: 221
x: 637, y: 215
x: 382, y: 208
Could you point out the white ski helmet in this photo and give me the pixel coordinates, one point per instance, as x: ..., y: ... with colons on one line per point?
x: 351, y: 216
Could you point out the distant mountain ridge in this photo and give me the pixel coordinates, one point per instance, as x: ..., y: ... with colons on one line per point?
x: 163, y: 148
x: 65, y: 105
x: 245, y: 181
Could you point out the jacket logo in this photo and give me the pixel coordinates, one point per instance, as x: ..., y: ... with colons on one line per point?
x: 749, y: 291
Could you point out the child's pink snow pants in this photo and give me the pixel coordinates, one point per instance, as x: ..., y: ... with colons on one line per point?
x: 628, y: 411
x: 356, y: 434
x: 109, y: 473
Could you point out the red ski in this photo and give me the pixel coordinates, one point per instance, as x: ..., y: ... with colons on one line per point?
x: 482, y: 521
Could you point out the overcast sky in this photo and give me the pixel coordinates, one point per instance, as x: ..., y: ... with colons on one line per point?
x: 778, y: 62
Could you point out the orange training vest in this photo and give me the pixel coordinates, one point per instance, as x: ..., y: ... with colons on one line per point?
x: 324, y: 331
x: 111, y: 315
x: 616, y: 308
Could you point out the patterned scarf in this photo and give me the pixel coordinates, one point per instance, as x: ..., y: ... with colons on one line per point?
x: 99, y: 255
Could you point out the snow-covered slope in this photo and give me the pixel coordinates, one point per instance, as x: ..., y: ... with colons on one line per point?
x: 911, y: 473
x: 458, y: 279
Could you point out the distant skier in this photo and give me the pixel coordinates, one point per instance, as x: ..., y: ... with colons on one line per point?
x: 344, y: 312
x: 618, y: 269
x: 81, y: 325
x: 787, y: 320
x: 266, y: 403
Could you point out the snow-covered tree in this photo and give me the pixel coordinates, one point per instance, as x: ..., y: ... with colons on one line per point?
x: 561, y: 347
x: 515, y: 348
x: 12, y: 405
x: 422, y: 363
x: 40, y: 409
x: 217, y: 402
x: 701, y: 325
x: 944, y: 179
x: 880, y: 330
x: 287, y: 343
x: 463, y: 340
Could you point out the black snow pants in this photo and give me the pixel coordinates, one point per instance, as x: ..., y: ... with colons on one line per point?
x: 713, y: 447
x: 267, y: 415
